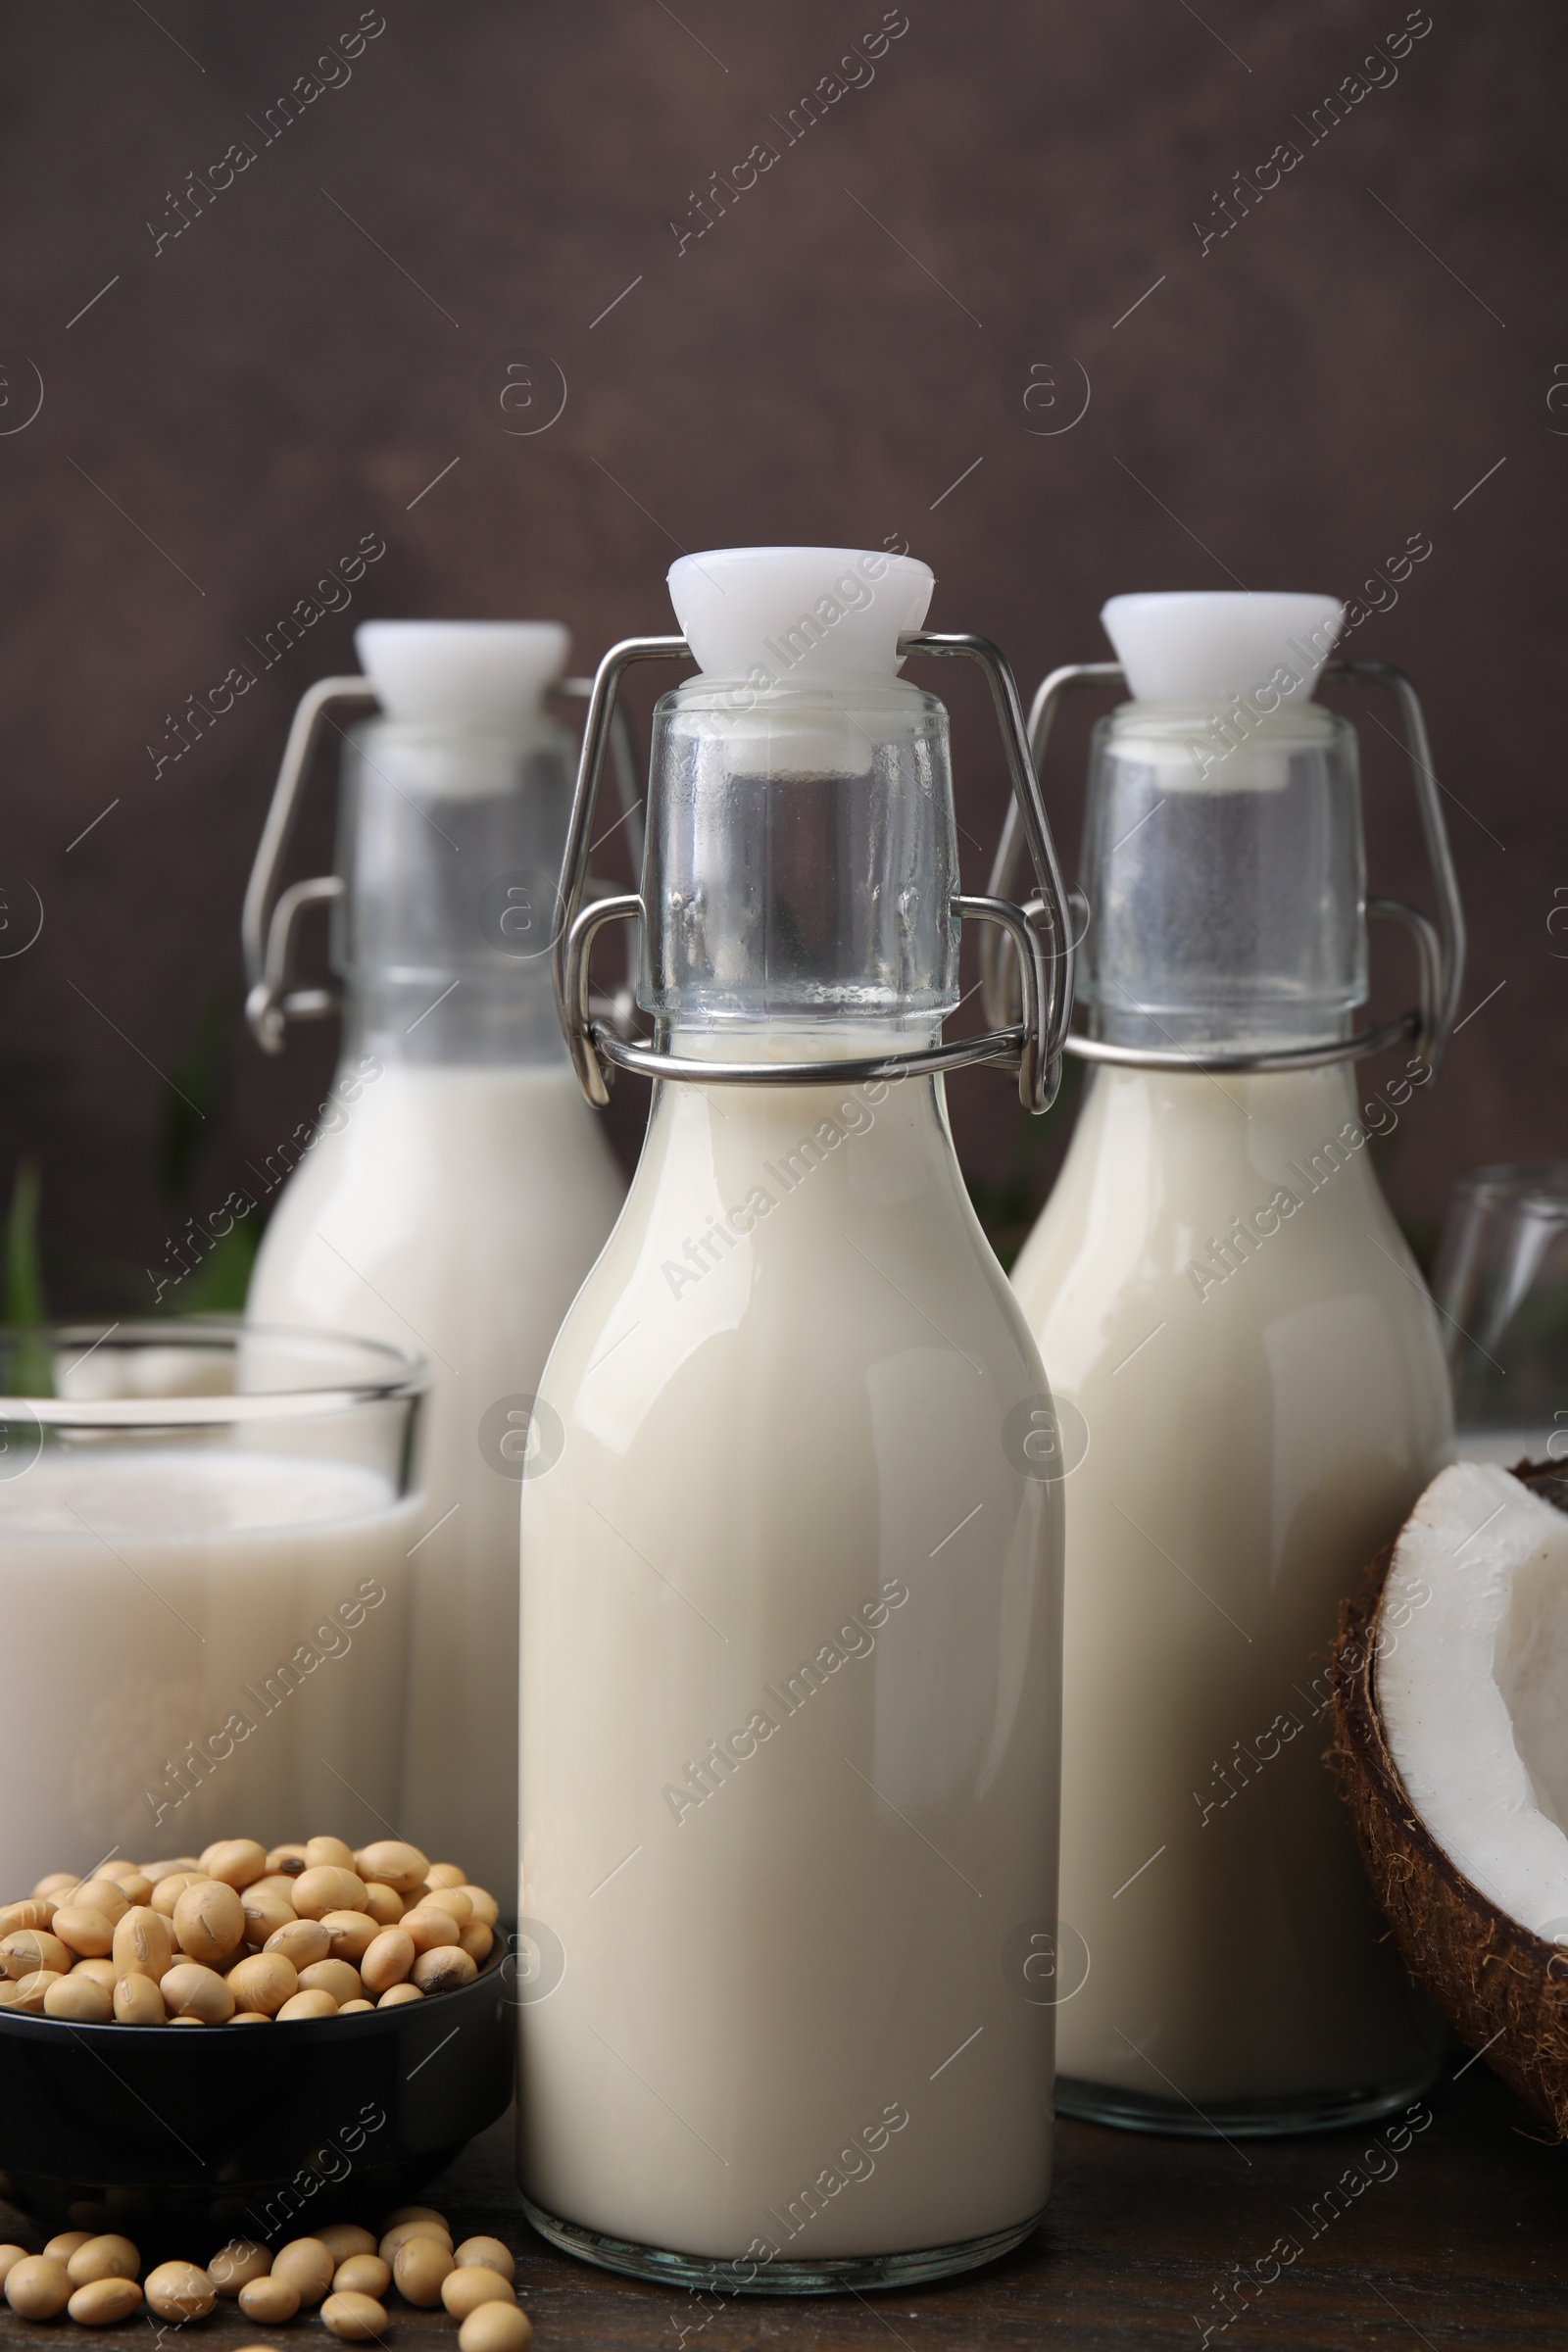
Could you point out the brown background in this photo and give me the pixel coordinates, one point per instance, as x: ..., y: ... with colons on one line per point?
x: 1283, y: 410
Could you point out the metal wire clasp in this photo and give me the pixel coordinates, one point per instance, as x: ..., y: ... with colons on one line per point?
x: 1039, y: 933
x: 1439, y: 946
x: 270, y: 917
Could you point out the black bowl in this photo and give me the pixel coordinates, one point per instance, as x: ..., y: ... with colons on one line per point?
x: 183, y: 2137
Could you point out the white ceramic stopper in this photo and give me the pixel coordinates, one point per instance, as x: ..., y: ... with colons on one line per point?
x: 797, y: 616
x: 1204, y: 646
x: 474, y: 673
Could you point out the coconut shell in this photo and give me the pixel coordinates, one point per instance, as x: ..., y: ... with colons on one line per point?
x: 1504, y: 1989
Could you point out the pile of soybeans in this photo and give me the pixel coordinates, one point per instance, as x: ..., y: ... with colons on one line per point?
x: 343, y: 2268
x: 240, y: 1936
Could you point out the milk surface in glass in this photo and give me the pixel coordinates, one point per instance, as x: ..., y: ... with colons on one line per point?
x: 1222, y: 1292
x: 790, y: 1612
x: 457, y: 1189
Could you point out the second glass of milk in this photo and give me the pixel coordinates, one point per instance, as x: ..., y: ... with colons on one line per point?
x: 204, y: 1535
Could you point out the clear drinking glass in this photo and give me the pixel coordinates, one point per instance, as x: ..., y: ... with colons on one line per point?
x: 204, y: 1531
x: 1502, y: 1288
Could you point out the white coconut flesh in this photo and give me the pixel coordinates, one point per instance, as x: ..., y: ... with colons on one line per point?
x: 1472, y: 1683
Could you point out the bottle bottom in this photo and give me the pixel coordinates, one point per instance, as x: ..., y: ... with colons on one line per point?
x: 1271, y: 2118
x: 838, y: 2275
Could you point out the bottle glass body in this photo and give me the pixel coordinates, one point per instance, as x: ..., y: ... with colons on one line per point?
x: 1218, y: 1286
x: 789, y: 1614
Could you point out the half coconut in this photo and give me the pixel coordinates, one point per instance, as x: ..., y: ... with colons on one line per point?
x: 1451, y: 1682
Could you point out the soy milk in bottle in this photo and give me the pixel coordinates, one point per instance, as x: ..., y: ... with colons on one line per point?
x: 457, y: 1189
x: 790, y: 1665
x: 1255, y: 1380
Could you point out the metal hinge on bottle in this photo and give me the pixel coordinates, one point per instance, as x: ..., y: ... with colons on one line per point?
x: 1030, y: 1044
x: 271, y: 918
x: 1439, y: 946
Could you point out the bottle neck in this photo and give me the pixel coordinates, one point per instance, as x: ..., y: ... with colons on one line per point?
x: 432, y: 1018
x: 449, y: 845
x: 762, y: 1144
x: 1226, y: 880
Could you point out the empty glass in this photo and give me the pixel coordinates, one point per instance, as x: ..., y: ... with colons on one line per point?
x: 1502, y: 1288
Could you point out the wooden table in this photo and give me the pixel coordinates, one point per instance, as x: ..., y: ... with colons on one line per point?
x: 1461, y: 2238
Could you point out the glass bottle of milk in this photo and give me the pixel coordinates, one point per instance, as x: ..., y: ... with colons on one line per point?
x: 457, y: 1190
x: 790, y: 1569
x: 1219, y: 1287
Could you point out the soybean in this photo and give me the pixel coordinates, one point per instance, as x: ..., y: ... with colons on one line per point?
x: 343, y: 2238
x: 168, y: 1890
x: 306, y: 2266
x: 108, y: 2257
x: 144, y: 1943
x: 307, y: 2004
x: 444, y: 1968
x: 103, y: 1894
x: 327, y: 1853
x: 237, y: 1861
x: 354, y: 2316
x: 34, y: 1911
x: 139, y: 2001
x: 180, y: 2290
x: 191, y: 1990
x: 387, y: 1960
x: 301, y: 1941
x: 264, y: 1914
x: 104, y: 2302
x: 68, y: 2242
x: 235, y: 2264
x: 30, y: 1948
x: 264, y: 1980
x: 486, y: 2253
x: 209, y: 1921
x: 103, y: 1971
x: 496, y: 2328
x: 33, y: 1990
x: 464, y: 2290
x: 427, y: 1928
x: 335, y: 1976
x: 85, y: 1932
x: 398, y: 2234
x: 82, y: 1999
x: 269, y: 2301
x: 420, y: 2266
x: 327, y: 1887
x: 352, y: 1932
x: 361, y: 2274
x: 391, y: 1863
x: 38, y: 2286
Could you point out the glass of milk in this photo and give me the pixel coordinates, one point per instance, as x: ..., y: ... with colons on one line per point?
x: 204, y: 1543
x: 790, y: 1569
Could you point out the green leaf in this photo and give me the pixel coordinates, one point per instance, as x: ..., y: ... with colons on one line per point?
x: 27, y: 1365
x: 194, y: 1099
x: 219, y: 1285
x: 24, y: 1283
